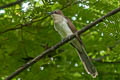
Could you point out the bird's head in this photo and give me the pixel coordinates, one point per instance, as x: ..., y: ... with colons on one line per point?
x: 58, y: 12
x: 57, y: 15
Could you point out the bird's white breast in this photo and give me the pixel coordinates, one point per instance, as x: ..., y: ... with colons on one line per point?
x: 61, y: 26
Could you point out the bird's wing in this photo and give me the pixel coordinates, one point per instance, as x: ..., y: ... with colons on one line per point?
x: 73, y: 29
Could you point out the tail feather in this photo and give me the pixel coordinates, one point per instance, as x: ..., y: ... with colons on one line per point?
x: 88, y: 65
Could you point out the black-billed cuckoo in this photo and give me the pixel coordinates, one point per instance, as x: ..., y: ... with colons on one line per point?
x: 64, y: 27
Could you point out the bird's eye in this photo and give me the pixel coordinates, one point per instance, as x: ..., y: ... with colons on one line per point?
x: 55, y: 12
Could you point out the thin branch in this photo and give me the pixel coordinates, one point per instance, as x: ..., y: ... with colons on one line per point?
x: 11, y: 4
x: 111, y: 62
x: 19, y: 26
x: 110, y: 48
x: 101, y: 57
x: 65, y: 40
x: 110, y: 73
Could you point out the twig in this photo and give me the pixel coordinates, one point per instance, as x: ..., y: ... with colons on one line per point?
x: 111, y: 62
x: 100, y: 58
x: 110, y: 49
x: 111, y: 73
x: 11, y: 4
x: 19, y: 26
x: 36, y: 59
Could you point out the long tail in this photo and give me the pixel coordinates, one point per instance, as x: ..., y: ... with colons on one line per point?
x: 89, y: 67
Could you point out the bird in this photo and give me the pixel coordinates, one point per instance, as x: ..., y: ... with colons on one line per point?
x: 64, y: 26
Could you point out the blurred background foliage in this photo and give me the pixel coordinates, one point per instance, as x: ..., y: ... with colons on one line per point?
x: 26, y: 31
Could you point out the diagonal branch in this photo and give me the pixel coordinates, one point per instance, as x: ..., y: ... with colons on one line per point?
x: 11, y: 4
x: 36, y: 59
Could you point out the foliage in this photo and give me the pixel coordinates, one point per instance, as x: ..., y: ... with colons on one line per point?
x: 19, y: 45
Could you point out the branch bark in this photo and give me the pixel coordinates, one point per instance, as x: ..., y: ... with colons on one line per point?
x: 11, y: 4
x: 36, y: 59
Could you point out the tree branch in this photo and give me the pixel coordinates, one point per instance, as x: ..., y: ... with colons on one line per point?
x: 110, y: 48
x: 111, y: 62
x: 19, y: 26
x: 65, y: 40
x: 11, y: 4
x: 101, y: 57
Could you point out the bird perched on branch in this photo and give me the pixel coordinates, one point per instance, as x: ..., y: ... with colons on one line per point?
x: 64, y: 27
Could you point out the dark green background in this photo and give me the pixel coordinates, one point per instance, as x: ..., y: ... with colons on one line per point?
x: 20, y: 44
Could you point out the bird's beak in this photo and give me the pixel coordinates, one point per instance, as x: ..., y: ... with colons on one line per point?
x: 50, y: 13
